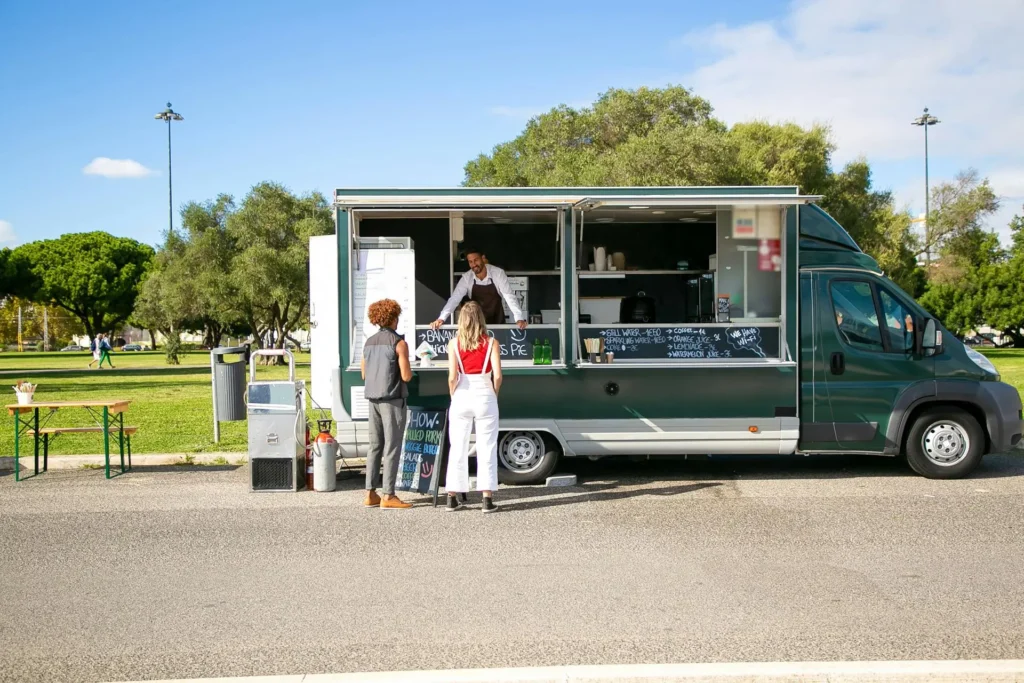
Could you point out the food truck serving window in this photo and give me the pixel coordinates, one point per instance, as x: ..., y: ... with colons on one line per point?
x: 521, y: 250
x: 675, y: 284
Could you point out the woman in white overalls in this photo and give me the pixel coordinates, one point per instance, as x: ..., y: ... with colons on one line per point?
x: 474, y: 379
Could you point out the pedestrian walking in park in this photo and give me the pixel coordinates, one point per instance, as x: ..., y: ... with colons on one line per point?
x: 474, y: 380
x: 386, y: 370
x: 105, y: 348
x: 94, y: 347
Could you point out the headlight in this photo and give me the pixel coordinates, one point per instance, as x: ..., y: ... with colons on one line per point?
x: 982, y: 362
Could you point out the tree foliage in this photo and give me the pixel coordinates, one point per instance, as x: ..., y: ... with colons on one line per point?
x: 236, y: 269
x: 93, y: 276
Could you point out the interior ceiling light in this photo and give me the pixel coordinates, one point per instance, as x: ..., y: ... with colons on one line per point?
x: 502, y: 220
x: 688, y: 220
x: 704, y: 212
x: 603, y: 220
x: 657, y: 213
x: 639, y: 207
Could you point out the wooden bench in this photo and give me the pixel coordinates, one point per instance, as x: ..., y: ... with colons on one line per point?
x: 47, y: 432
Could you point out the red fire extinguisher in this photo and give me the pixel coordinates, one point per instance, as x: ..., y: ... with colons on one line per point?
x: 309, y: 462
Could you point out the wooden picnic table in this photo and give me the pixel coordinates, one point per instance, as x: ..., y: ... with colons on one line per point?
x: 108, y: 416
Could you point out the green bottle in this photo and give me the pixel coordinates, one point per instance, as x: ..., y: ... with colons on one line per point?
x: 538, y: 353
x: 547, y: 352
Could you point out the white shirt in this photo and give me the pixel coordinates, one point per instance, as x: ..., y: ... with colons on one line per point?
x: 464, y: 288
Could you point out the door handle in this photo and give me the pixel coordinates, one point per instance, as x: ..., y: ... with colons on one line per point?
x: 838, y: 363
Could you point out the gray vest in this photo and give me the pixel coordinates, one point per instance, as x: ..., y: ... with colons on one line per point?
x: 383, y: 377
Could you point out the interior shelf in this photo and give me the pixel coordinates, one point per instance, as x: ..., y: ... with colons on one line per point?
x: 622, y: 273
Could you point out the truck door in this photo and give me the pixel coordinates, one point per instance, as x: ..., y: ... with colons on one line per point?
x: 867, y: 343
x: 817, y: 431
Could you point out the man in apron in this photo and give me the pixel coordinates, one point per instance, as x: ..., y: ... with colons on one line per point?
x: 487, y: 285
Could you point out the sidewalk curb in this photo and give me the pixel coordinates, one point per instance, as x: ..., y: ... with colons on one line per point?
x: 990, y: 671
x: 75, y: 462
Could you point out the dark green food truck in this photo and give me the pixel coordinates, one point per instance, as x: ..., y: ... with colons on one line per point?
x: 670, y: 320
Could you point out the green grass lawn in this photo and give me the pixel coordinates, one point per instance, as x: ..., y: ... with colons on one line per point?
x: 70, y: 360
x: 173, y: 407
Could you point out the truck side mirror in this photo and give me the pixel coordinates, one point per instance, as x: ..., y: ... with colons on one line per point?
x: 931, y: 338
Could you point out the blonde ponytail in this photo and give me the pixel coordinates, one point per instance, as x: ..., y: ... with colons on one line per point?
x: 472, y: 326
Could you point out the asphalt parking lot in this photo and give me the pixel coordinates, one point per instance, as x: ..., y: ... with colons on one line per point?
x: 181, y: 572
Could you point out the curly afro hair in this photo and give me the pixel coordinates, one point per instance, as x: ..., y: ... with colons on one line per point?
x: 384, y: 313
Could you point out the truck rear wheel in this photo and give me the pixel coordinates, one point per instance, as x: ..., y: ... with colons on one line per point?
x: 527, y: 457
x: 945, y: 443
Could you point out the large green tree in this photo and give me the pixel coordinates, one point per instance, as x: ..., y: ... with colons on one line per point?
x: 94, y: 276
x: 269, y: 271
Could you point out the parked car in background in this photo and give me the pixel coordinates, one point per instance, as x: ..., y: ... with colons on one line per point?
x: 305, y: 346
x: 134, y: 347
x: 73, y: 347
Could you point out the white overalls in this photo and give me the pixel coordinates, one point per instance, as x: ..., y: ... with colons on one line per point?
x: 474, y: 401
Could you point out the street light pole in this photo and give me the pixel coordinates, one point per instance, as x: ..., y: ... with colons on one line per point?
x: 169, y: 115
x: 924, y: 121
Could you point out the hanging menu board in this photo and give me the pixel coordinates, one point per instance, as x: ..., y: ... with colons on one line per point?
x: 422, y: 455
x: 655, y: 343
x: 382, y: 273
x: 516, y: 344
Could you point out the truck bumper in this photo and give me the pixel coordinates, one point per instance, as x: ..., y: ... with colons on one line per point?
x: 1002, y: 415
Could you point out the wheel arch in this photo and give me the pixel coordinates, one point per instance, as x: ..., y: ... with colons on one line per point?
x: 965, y: 395
x: 548, y: 427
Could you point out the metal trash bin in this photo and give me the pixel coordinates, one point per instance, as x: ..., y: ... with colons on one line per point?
x: 228, y: 387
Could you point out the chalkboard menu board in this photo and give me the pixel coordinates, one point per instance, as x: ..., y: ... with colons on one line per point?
x: 516, y: 344
x: 650, y: 343
x: 422, y: 455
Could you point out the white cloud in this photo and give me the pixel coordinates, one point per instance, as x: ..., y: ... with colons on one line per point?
x: 867, y: 67
x: 1008, y: 183
x: 116, y: 168
x: 7, y: 235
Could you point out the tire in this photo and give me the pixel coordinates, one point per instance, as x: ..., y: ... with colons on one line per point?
x: 945, y: 443
x: 526, y: 457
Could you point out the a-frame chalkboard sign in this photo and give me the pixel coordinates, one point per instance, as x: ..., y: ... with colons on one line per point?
x: 422, y: 458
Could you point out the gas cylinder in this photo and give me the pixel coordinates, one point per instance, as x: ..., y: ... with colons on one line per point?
x: 325, y: 458
x: 309, y: 461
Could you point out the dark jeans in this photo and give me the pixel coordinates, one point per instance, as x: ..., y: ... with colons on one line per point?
x: 387, y: 427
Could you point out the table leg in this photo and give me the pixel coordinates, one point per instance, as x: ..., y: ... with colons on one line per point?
x: 17, y: 440
x: 36, y: 439
x: 120, y: 437
x: 46, y: 452
x: 106, y: 441
x: 128, y: 438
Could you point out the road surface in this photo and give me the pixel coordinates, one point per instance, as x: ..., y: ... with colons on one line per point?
x: 181, y: 573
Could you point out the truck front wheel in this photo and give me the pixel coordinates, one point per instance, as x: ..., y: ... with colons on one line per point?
x: 945, y: 443
x: 527, y: 457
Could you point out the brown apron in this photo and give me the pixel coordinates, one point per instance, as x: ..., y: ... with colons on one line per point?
x: 490, y: 302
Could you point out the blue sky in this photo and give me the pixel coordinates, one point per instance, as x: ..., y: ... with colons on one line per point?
x: 319, y: 95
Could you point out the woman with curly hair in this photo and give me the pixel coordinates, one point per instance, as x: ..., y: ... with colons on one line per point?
x: 474, y: 380
x: 386, y: 370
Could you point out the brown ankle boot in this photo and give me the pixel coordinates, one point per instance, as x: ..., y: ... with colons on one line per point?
x: 372, y: 500
x: 393, y: 503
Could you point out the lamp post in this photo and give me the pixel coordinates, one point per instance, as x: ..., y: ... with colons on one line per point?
x: 925, y: 120
x: 169, y: 115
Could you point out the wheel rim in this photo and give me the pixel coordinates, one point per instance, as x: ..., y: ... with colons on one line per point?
x: 521, y: 451
x: 945, y: 443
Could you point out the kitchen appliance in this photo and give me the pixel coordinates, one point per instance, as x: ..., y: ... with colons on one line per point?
x: 550, y: 316
x: 602, y: 310
x: 637, y: 309
x: 277, y: 428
